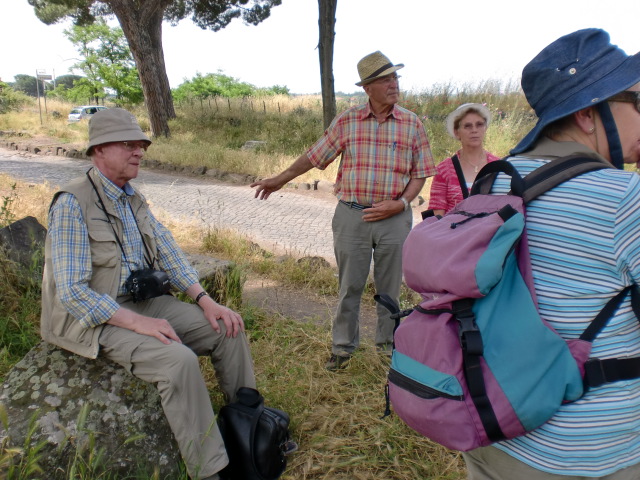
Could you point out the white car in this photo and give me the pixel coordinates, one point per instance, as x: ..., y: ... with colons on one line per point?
x: 83, y: 112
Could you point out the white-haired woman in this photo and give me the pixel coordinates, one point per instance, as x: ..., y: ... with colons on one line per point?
x: 468, y: 123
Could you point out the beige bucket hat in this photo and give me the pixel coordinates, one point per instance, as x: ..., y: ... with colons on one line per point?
x: 462, y: 110
x: 114, y: 125
x: 375, y: 65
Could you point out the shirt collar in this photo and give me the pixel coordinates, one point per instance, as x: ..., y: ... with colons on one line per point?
x: 395, y: 112
x: 112, y: 191
x: 545, y: 147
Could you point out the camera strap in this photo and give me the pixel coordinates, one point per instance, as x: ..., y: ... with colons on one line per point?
x: 148, y: 258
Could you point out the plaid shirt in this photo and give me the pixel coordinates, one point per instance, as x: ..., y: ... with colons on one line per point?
x: 378, y: 159
x: 71, y: 255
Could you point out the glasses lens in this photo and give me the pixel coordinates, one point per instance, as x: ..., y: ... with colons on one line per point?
x: 131, y: 146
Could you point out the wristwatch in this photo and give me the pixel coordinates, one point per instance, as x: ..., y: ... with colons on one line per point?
x: 404, y: 201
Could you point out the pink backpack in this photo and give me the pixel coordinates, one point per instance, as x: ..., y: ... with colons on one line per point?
x: 467, y: 368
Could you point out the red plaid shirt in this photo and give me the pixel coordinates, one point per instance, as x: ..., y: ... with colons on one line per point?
x: 378, y: 159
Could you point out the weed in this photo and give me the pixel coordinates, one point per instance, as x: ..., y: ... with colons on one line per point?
x: 6, y: 215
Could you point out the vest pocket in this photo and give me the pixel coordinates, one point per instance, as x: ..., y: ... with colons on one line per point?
x: 104, y: 248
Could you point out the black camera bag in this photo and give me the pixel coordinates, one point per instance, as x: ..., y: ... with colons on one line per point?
x: 256, y: 438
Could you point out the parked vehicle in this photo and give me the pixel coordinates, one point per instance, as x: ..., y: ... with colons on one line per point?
x: 83, y: 112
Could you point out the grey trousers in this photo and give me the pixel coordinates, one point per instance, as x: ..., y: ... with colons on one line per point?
x: 490, y: 463
x: 175, y: 371
x: 355, y: 243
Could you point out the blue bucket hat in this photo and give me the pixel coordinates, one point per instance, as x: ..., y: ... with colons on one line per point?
x: 577, y: 71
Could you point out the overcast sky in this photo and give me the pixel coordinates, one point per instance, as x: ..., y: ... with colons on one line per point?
x: 439, y: 41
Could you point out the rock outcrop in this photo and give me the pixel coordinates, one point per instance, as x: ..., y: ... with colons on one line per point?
x: 82, y: 409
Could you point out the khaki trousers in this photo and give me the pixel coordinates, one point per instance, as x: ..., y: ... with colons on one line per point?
x: 175, y: 371
x: 490, y: 463
x: 355, y: 242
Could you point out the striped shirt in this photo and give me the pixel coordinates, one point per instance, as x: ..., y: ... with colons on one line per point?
x: 584, y: 237
x: 71, y: 255
x: 378, y: 159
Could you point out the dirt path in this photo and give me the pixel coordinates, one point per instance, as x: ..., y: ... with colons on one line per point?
x: 301, y: 305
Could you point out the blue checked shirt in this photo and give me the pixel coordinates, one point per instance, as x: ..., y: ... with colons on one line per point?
x: 71, y: 255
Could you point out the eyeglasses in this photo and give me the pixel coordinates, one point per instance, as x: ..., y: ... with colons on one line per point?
x: 388, y: 80
x: 627, y: 97
x: 131, y: 146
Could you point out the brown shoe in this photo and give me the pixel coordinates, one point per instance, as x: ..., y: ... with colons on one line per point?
x: 336, y: 362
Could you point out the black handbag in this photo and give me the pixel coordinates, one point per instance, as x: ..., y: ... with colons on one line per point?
x: 256, y: 438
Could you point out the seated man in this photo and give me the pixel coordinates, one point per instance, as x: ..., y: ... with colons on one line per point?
x: 101, y: 231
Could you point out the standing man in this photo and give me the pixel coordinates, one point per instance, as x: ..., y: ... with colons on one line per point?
x: 385, y: 161
x: 103, y: 245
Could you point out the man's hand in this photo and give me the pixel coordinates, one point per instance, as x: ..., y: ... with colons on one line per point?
x: 153, y: 327
x: 214, y: 311
x: 269, y: 185
x: 381, y: 210
x: 266, y: 187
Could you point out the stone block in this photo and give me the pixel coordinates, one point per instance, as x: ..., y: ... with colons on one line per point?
x: 22, y: 239
x: 74, y: 401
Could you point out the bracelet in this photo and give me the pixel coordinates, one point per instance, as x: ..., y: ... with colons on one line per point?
x: 404, y: 201
x: 200, y: 295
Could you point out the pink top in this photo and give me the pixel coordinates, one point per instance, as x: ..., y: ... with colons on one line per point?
x: 445, y: 188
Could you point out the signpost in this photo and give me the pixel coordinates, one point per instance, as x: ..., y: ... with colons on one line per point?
x: 41, y: 75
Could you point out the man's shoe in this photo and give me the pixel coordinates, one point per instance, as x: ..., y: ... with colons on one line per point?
x: 336, y: 362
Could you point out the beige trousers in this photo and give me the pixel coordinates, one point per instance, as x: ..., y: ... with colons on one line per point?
x: 355, y: 243
x: 175, y: 371
x: 490, y: 463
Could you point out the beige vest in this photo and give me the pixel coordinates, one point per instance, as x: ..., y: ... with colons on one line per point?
x: 57, y: 326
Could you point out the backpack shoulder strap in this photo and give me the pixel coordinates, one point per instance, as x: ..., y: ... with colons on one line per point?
x: 558, y: 171
x: 541, y: 179
x: 597, y: 371
x: 463, y: 182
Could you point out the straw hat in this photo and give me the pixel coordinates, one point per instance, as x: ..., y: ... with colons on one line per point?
x: 114, y: 125
x: 375, y: 65
x: 462, y: 110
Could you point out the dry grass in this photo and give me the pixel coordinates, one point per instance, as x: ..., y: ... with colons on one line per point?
x: 335, y: 416
x: 28, y: 199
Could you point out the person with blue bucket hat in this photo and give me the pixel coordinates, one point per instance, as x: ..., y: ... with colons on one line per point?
x: 584, y: 239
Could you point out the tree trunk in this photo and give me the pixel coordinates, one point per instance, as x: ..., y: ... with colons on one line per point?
x: 156, y: 39
x: 141, y: 23
x: 326, y: 24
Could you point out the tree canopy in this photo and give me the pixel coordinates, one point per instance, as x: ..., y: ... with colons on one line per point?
x: 141, y: 22
x: 106, y: 61
x: 221, y: 85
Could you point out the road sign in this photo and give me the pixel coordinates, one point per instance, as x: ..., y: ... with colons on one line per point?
x: 44, y: 77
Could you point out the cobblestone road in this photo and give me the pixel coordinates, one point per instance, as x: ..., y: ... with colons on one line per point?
x: 289, y: 222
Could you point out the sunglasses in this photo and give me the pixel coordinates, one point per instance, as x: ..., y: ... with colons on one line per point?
x: 627, y: 97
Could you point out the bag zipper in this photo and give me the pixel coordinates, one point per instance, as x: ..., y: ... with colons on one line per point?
x: 418, y: 388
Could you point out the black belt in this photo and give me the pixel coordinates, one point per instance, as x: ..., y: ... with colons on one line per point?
x: 355, y: 205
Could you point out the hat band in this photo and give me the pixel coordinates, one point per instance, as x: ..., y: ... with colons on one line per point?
x: 377, y: 72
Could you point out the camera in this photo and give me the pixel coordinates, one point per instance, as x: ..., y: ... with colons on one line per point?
x: 147, y: 283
